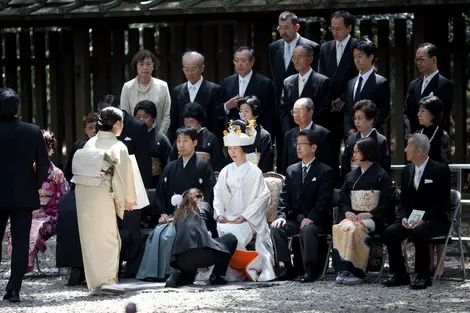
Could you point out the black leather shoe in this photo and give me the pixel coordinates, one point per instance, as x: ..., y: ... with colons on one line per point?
x: 12, y: 296
x: 217, y: 280
x: 75, y: 278
x: 308, y: 278
x: 287, y: 273
x: 172, y: 281
x: 421, y: 282
x: 397, y: 280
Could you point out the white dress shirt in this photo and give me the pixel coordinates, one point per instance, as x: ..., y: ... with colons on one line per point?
x: 426, y: 80
x: 304, y: 78
x: 193, y: 89
x: 365, y: 77
x: 308, y: 126
x: 243, y: 83
x: 419, y: 173
x: 289, y: 50
x: 340, y: 50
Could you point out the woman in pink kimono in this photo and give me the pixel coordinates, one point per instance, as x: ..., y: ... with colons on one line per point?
x: 43, y: 225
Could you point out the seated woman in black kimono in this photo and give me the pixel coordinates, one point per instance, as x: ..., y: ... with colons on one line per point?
x: 430, y: 114
x: 194, y: 248
x: 208, y: 147
x: 365, y: 112
x: 160, y: 146
x: 364, y: 207
x: 261, y: 152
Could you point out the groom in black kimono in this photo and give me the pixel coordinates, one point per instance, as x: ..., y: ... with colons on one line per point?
x: 304, y: 209
x: 188, y: 171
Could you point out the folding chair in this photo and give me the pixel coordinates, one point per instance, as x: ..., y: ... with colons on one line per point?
x: 455, y: 213
x: 336, y: 197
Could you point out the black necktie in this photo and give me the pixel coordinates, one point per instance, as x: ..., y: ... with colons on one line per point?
x: 304, y: 173
x: 357, y: 96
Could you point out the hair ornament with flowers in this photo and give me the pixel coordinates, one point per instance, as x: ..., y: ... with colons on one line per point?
x: 240, y: 133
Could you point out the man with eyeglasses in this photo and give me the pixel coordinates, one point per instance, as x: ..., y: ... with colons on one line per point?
x: 280, y: 61
x: 199, y: 90
x: 433, y: 82
x: 306, y: 84
x: 247, y: 82
x: 337, y: 63
x: 302, y: 112
x: 304, y: 209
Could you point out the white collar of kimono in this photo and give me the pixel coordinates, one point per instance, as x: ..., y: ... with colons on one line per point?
x: 365, y: 136
x: 200, y: 130
x: 246, y: 164
x: 106, y: 135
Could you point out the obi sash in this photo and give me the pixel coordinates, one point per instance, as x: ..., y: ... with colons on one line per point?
x: 204, y: 156
x: 156, y: 167
x: 364, y: 200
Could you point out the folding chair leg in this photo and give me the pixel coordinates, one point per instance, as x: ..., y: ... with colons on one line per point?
x: 462, y: 257
x: 327, y: 261
x: 37, y: 265
x: 384, y: 259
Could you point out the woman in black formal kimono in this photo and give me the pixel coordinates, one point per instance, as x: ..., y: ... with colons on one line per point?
x: 364, y: 207
x: 430, y: 114
x: 261, y: 152
x: 365, y: 112
x: 208, y: 147
x: 194, y: 248
x: 159, y: 146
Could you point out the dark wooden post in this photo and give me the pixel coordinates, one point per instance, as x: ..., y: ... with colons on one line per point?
x: 209, y: 51
x: 40, y: 83
x: 25, y: 77
x: 243, y: 34
x: 81, y: 45
x: 55, y: 87
x: 400, y: 66
x: 101, y: 63
x: 366, y: 28
x: 176, y: 50
x: 119, y: 62
x: 68, y: 86
x: 11, y: 62
x: 133, y: 37
x: 224, y: 51
x: 383, y: 61
x: 149, y: 39
x: 262, y: 38
x: 163, y: 72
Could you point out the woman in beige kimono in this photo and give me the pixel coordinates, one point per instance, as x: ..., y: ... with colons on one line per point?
x: 104, y: 181
x: 364, y: 208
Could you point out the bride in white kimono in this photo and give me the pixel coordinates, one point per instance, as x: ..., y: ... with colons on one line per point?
x: 241, y: 198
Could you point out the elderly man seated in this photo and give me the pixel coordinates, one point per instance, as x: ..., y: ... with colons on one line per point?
x: 304, y: 209
x: 426, y: 187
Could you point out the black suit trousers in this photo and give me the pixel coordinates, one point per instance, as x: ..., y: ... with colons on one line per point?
x: 396, y: 233
x: 20, y: 220
x: 190, y: 261
x: 311, y: 245
x: 133, y: 255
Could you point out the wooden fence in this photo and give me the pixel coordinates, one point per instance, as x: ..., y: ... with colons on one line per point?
x: 62, y: 73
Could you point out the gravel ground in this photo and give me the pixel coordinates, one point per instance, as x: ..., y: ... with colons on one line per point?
x: 49, y: 294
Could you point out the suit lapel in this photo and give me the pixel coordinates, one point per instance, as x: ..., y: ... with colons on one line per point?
x: 295, y: 85
x: 332, y: 52
x: 419, y: 85
x: 433, y: 84
x: 297, y: 173
x: 280, y: 55
x: 184, y: 94
x: 251, y: 87
x: 201, y: 93
x: 369, y: 87
x: 423, y: 175
x: 308, y: 84
x: 345, y: 59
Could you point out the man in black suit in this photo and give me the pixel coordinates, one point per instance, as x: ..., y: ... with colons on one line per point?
x: 280, y: 61
x: 22, y: 145
x: 431, y: 82
x: 245, y: 83
x: 337, y: 63
x: 135, y: 136
x: 307, y: 83
x: 196, y: 89
x: 425, y: 186
x: 302, y: 112
x: 366, y: 86
x: 305, y: 208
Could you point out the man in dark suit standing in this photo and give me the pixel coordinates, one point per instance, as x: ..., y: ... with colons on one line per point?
x: 199, y: 90
x: 247, y: 82
x: 366, y: 86
x: 22, y: 145
x: 280, y: 60
x: 431, y: 82
x: 305, y: 209
x: 337, y: 63
x: 303, y: 111
x: 425, y: 186
x: 306, y: 84
x: 135, y: 136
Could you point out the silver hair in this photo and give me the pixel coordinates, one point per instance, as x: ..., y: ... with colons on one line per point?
x: 306, y: 102
x: 421, y: 141
x: 193, y: 54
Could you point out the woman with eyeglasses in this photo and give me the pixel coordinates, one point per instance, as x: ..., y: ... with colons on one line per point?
x: 197, y: 244
x: 430, y: 114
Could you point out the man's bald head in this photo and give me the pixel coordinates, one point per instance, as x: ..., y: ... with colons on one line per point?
x: 193, y: 56
x: 306, y: 103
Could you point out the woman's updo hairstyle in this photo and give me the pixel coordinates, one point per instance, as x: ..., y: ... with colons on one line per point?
x: 50, y: 141
x: 108, y: 117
